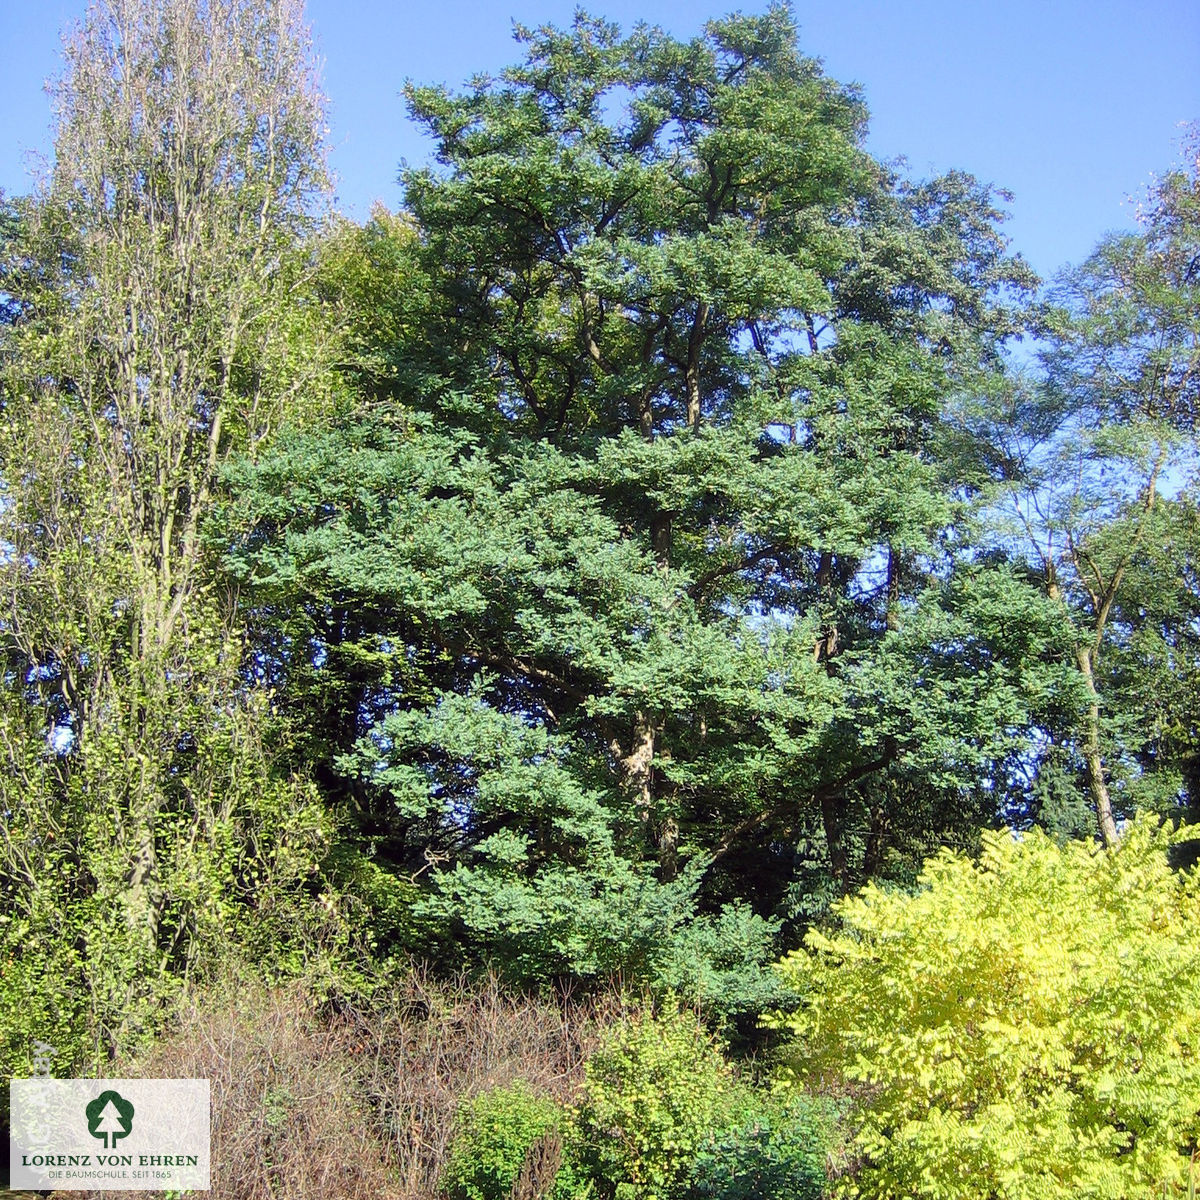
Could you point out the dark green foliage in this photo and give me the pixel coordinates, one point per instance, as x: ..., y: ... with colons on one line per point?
x: 610, y: 581
x: 775, y: 1149
x: 590, y: 573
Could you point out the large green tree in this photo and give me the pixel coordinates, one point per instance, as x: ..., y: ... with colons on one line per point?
x: 629, y: 568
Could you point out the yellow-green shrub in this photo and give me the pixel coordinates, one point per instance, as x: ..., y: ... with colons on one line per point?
x: 655, y: 1090
x: 1025, y: 1026
x: 495, y: 1133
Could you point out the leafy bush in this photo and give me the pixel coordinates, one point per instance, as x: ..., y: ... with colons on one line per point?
x: 722, y: 962
x: 1027, y: 1025
x: 498, y: 1134
x: 775, y: 1150
x: 654, y: 1091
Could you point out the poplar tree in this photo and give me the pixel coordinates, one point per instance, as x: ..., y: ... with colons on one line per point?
x: 158, y: 288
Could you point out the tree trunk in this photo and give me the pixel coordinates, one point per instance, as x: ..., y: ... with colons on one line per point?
x: 825, y: 646
x: 639, y: 767
x: 893, y: 590
x: 695, y: 408
x: 876, y: 842
x: 1094, y: 764
x: 660, y: 540
x: 668, y: 849
x: 141, y: 903
x: 831, y: 818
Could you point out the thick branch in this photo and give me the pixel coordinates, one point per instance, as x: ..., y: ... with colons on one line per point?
x: 822, y: 793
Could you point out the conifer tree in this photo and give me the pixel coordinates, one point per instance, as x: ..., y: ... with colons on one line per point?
x: 623, y: 567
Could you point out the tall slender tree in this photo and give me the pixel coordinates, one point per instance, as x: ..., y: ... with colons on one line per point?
x: 1085, y: 452
x: 158, y: 287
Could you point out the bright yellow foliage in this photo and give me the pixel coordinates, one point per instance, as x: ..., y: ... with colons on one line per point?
x: 1025, y: 1027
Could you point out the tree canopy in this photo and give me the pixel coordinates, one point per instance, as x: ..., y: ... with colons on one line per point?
x: 623, y: 564
x: 599, y: 568
x: 152, y: 332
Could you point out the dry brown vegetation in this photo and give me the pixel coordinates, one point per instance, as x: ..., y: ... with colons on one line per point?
x: 342, y: 1103
x: 437, y: 1043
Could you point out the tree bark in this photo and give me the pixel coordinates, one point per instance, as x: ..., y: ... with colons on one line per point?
x: 831, y: 819
x: 668, y: 849
x: 825, y: 646
x: 876, y: 842
x: 639, y: 767
x: 1093, y: 762
x: 893, y: 590
x: 692, y: 374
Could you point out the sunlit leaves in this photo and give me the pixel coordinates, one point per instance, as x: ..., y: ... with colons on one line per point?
x: 1025, y: 1024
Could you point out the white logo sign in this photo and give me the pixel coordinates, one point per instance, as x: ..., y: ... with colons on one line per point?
x: 109, y: 1134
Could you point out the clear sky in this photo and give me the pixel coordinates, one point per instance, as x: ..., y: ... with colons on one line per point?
x: 1069, y: 104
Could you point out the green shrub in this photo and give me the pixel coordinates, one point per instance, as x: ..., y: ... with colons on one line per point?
x: 774, y: 1151
x: 494, y: 1137
x: 1025, y: 1026
x: 722, y: 962
x: 654, y: 1091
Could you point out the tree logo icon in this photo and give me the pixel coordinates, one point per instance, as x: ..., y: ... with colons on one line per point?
x: 109, y: 1116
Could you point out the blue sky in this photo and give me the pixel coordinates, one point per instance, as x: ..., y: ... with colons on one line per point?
x: 1070, y: 104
